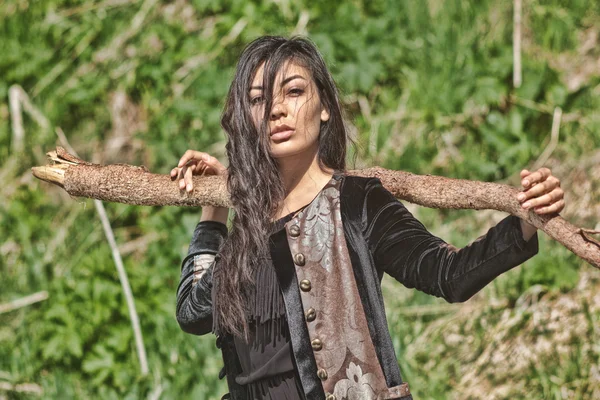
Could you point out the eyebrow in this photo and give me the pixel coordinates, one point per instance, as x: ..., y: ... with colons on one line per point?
x: 286, y: 80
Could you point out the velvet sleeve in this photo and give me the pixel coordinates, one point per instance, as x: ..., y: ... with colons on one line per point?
x: 402, y: 247
x: 194, y: 300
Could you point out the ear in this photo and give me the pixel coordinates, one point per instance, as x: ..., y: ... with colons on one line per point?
x: 324, y: 114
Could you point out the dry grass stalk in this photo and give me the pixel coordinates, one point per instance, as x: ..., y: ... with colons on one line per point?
x: 29, y: 388
x: 300, y: 28
x: 517, y: 74
x: 138, y: 245
x: 112, y: 50
x: 19, y: 101
x: 541, y: 161
x: 94, y: 6
x: 184, y: 76
x: 23, y: 302
x: 496, y: 349
x: 110, y: 237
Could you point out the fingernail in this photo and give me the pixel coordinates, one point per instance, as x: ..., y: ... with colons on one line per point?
x: 521, y: 197
x: 189, y: 187
x: 526, y: 204
x: 525, y: 183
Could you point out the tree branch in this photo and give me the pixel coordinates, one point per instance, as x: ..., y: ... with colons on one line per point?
x: 136, y: 185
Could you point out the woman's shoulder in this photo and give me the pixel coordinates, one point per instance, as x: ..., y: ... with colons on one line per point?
x: 357, y: 189
x: 355, y: 183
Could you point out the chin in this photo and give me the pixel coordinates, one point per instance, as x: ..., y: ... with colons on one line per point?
x: 290, y: 149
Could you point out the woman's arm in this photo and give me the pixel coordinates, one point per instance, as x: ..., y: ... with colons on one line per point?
x: 194, y: 298
x: 402, y: 247
x: 194, y: 301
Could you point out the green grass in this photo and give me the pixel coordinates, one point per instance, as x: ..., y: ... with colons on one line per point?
x: 437, y: 77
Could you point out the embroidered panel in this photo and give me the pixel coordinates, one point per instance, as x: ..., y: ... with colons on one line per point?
x: 346, y: 360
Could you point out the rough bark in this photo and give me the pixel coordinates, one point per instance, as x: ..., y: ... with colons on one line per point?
x: 136, y: 185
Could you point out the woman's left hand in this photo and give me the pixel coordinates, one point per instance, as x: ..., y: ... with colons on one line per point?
x: 541, y: 192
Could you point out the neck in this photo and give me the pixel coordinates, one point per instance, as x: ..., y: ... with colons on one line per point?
x: 303, y: 178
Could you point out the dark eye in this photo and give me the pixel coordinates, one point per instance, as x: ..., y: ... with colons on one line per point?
x: 256, y: 100
x: 296, y: 92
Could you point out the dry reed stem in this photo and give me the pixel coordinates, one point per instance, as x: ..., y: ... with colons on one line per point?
x: 19, y: 101
x: 517, y: 74
x: 23, y: 302
x: 543, y: 158
x: 110, y: 237
x: 29, y: 388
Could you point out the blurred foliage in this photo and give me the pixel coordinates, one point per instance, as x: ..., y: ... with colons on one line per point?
x: 429, y: 87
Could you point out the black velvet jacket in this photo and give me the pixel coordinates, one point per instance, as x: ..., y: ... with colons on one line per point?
x: 382, y: 237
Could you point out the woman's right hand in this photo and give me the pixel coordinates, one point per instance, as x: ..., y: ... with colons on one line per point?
x: 195, y: 163
x: 198, y: 163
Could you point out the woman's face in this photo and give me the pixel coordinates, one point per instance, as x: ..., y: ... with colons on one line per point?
x: 296, y: 116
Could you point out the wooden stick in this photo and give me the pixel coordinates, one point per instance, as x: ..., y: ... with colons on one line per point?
x: 135, y: 185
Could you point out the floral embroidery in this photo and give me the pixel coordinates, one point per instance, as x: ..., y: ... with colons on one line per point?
x: 319, y: 232
x: 357, y: 386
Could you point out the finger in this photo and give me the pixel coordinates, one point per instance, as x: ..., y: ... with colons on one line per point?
x: 538, y: 176
x: 188, y: 156
x: 215, y: 164
x: 185, y: 158
x: 201, y: 168
x: 539, y: 189
x: 546, y: 199
x: 553, y: 208
x: 525, y: 173
x: 182, y: 171
x: 534, y: 192
x: 174, y: 173
x: 189, y: 185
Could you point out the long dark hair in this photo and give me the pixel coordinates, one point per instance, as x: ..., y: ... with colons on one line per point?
x: 254, y: 181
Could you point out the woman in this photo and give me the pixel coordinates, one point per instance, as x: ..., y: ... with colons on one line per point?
x: 292, y: 291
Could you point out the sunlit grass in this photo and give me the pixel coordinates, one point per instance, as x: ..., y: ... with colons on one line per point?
x: 436, y: 79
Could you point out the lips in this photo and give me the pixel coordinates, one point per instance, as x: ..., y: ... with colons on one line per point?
x: 281, y: 132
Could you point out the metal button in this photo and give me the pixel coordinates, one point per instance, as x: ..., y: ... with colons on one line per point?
x: 305, y: 285
x: 329, y: 396
x: 299, y: 259
x: 322, y: 374
x: 311, y: 314
x: 316, y: 344
x: 294, y: 231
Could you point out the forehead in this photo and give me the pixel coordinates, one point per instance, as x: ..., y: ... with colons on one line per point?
x: 289, y: 68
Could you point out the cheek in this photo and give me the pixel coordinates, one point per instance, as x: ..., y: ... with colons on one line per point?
x: 308, y: 114
x: 257, y: 117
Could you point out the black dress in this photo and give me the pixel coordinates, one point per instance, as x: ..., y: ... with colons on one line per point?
x: 268, y: 370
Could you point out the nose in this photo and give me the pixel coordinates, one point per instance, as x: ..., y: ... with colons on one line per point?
x: 278, y: 110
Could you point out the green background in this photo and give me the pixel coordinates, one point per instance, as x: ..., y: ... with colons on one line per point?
x: 428, y: 87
